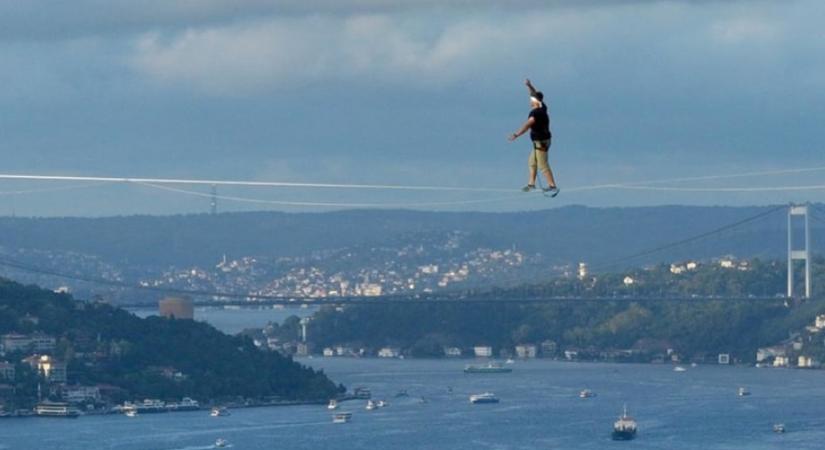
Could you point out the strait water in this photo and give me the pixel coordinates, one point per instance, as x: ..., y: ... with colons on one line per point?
x: 540, y: 408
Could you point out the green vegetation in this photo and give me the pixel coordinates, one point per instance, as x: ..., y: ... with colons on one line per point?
x: 152, y: 357
x: 650, y: 315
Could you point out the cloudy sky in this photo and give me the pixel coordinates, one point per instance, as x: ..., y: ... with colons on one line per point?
x: 417, y: 92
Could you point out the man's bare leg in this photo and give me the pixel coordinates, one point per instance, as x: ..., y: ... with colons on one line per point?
x: 548, y: 174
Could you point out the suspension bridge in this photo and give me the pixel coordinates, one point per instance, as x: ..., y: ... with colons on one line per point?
x: 795, y: 213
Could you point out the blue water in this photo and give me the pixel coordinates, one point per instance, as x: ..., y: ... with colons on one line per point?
x: 540, y: 408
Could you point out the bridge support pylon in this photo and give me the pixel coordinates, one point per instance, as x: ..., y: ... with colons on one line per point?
x: 796, y: 255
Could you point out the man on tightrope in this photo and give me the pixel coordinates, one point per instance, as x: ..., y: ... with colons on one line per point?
x: 538, y: 122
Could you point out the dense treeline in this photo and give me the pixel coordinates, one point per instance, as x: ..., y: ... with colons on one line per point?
x: 641, y: 314
x: 105, y: 344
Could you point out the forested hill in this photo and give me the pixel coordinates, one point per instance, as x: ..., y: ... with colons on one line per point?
x: 566, y: 234
x: 104, y: 345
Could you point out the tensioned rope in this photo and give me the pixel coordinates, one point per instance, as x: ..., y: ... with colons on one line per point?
x: 648, y: 185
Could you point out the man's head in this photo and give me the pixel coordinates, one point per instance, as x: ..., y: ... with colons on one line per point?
x: 535, y: 102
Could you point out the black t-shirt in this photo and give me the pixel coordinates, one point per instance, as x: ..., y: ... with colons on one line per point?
x: 540, y: 131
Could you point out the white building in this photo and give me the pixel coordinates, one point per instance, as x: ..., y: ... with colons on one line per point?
x: 723, y: 358
x: 582, y: 270
x: 483, y: 351
x: 526, y: 351
x: 806, y: 362
x: 781, y: 361
x: 769, y: 352
x: 80, y: 394
x: 628, y: 280
x: 452, y: 352
x: 389, y: 352
x: 820, y: 321
x: 328, y: 352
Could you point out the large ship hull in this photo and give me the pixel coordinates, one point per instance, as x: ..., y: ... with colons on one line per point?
x: 624, y: 435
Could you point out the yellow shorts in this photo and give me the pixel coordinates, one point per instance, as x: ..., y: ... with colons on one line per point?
x: 538, y: 156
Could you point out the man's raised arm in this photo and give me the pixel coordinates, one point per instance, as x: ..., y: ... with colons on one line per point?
x: 530, y: 86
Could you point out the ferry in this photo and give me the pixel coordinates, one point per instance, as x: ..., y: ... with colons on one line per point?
x: 487, y: 397
x: 187, y: 404
x: 489, y: 368
x: 56, y: 409
x: 341, y: 417
x: 586, y: 393
x: 333, y: 404
x: 219, y: 411
x: 149, y: 406
x: 624, y: 429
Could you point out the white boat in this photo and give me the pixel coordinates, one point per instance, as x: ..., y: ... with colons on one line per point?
x: 779, y: 428
x: 371, y: 405
x: 221, y: 443
x: 586, y: 393
x: 341, y: 417
x: 743, y: 392
x: 381, y: 403
x: 56, y: 409
x: 679, y: 369
x: 131, y: 413
x: 509, y: 361
x: 487, y: 397
x: 333, y: 404
x: 219, y: 411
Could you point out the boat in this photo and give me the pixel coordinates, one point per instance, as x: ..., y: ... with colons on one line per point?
x: 743, y: 392
x: 131, y: 413
x: 221, y: 443
x: 509, y: 361
x: 371, y: 405
x: 341, y: 417
x: 219, y: 411
x: 333, y: 404
x: 586, y: 393
x: 149, y: 406
x: 779, y: 428
x: 381, y: 403
x: 362, y: 393
x: 679, y: 369
x: 56, y: 409
x: 488, y: 368
x: 624, y: 429
x: 487, y: 397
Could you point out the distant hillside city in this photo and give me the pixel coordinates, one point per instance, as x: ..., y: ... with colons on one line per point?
x: 364, y: 253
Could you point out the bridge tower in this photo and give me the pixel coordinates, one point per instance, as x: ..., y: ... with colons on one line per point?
x: 213, y: 204
x: 796, y: 255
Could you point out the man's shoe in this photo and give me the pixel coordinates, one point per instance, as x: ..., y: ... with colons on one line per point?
x: 528, y: 188
x: 553, y: 191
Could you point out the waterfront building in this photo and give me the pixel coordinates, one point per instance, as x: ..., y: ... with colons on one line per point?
x: 583, y: 270
x: 806, y: 362
x: 781, y: 361
x: 549, y: 348
x: 328, y: 352
x: 37, y: 342
x: 765, y: 353
x: 723, y: 358
x: 81, y: 394
x: 54, y: 371
x: 483, y: 351
x: 820, y: 321
x: 452, y: 352
x: 389, y: 352
x: 526, y: 351
x: 176, y: 307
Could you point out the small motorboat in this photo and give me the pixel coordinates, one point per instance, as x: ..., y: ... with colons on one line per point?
x: 586, y: 393
x: 371, y: 405
x: 333, y: 404
x: 131, y: 413
x: 779, y: 428
x: 487, y: 397
x: 341, y: 417
x: 219, y: 411
x: 221, y: 443
x: 679, y: 369
x: 744, y: 392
